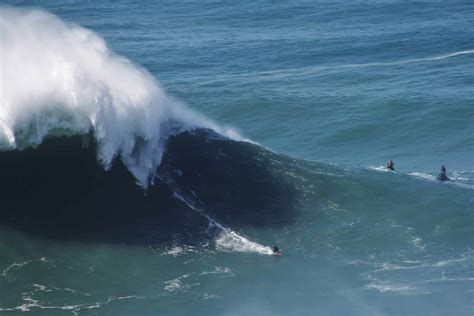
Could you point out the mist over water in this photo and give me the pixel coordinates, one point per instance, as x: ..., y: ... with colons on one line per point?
x: 61, y: 78
x: 120, y: 196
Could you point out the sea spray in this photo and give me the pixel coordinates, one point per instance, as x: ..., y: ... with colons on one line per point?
x: 58, y: 77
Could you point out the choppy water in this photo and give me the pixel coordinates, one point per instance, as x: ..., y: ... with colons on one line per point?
x: 325, y: 91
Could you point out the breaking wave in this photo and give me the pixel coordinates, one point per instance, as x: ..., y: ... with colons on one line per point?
x: 61, y: 79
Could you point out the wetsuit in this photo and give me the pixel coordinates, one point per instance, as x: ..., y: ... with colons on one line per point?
x: 442, y: 176
x: 390, y: 166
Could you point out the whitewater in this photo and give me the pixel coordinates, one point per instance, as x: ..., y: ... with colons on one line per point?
x: 70, y: 83
x: 152, y: 153
x: 61, y: 78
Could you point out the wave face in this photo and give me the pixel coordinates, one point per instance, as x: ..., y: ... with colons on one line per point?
x: 60, y: 78
x: 42, y: 194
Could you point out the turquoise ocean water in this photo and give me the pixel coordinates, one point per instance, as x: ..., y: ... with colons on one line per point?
x: 152, y: 152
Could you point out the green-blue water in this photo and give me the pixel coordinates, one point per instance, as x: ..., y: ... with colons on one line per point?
x: 329, y: 90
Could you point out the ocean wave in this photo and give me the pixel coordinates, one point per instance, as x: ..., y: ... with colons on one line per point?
x: 64, y: 80
x: 218, y: 178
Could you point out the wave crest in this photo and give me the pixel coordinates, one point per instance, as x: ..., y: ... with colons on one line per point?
x: 61, y: 78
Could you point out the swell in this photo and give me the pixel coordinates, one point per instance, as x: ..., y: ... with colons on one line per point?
x: 59, y: 190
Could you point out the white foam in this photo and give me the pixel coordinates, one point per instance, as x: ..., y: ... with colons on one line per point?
x: 176, y: 284
x: 58, y: 76
x: 381, y: 168
x: 31, y: 304
x: 403, y: 289
x: 218, y: 271
x: 423, y: 176
x: 227, y: 239
x: 178, y: 250
x: 16, y: 265
x: 463, y: 52
x: 207, y: 296
x: 418, y: 243
x: 40, y: 287
x: 230, y: 241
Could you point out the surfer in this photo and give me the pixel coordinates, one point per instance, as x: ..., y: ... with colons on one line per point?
x: 276, y: 250
x: 442, y: 175
x: 390, y: 165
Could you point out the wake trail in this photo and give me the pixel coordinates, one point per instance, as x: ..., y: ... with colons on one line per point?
x: 225, y: 238
x: 455, y: 179
x: 465, y: 52
x: 306, y: 71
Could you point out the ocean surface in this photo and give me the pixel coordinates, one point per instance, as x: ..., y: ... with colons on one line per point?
x: 152, y: 152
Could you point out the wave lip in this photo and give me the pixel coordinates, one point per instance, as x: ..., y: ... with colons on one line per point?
x: 60, y: 78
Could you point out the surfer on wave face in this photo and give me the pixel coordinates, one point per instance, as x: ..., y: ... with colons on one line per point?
x: 390, y: 165
x: 275, y: 249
